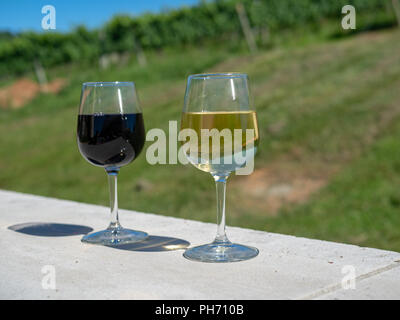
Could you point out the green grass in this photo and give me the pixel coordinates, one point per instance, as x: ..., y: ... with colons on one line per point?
x: 360, y: 205
x: 327, y: 109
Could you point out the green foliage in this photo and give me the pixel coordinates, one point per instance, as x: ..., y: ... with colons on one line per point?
x: 188, y: 25
x: 50, y: 48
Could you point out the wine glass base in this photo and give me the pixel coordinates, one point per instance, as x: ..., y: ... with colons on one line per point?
x: 114, y: 237
x: 221, y: 252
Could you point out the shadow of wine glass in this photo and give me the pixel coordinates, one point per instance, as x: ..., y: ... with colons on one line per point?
x: 154, y: 244
x: 45, y: 229
x: 151, y: 244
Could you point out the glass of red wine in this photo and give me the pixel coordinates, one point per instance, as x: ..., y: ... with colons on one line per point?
x: 111, y: 135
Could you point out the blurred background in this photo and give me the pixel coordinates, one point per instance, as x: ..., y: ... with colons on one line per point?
x: 328, y: 103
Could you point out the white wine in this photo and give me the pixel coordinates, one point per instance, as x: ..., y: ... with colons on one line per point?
x: 218, y: 138
x: 225, y: 141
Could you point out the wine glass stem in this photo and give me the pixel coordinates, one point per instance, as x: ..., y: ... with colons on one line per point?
x: 220, y: 182
x: 112, y: 182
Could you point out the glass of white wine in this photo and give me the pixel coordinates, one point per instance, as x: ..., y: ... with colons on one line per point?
x: 218, y: 110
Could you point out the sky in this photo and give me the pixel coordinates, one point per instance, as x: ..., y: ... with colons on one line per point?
x: 22, y: 15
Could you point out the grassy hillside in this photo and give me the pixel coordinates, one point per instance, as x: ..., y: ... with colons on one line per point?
x: 329, y: 160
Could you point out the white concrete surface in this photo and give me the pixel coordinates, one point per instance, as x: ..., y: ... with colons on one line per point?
x: 287, y: 268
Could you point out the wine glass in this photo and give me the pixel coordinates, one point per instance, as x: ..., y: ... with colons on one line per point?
x: 218, y: 110
x: 111, y: 134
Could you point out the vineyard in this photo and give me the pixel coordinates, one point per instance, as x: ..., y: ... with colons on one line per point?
x: 208, y: 21
x: 327, y: 101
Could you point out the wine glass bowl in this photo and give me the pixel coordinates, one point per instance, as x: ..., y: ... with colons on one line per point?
x: 111, y: 134
x: 219, y: 112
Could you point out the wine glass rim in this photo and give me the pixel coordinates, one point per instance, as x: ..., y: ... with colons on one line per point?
x: 221, y: 75
x: 108, y: 83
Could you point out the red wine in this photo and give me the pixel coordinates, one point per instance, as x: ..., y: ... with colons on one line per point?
x: 110, y: 140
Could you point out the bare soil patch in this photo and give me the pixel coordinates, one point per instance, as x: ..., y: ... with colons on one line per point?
x: 24, y: 90
x: 282, y: 183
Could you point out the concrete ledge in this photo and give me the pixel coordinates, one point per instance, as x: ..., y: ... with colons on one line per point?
x: 287, y: 268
